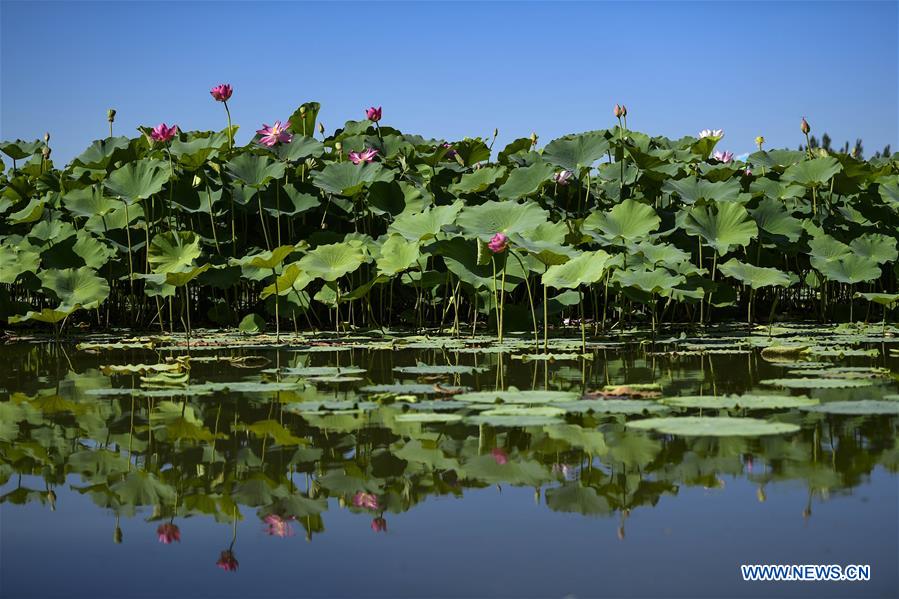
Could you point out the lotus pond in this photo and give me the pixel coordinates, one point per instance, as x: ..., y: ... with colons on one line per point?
x: 400, y: 464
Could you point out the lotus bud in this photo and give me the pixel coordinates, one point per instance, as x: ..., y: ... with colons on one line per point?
x: 534, y: 138
x: 51, y: 499
x: 45, y: 152
x: 760, y: 494
x: 321, y: 128
x: 117, y: 536
x: 617, y: 111
x: 338, y: 146
x: 759, y: 141
x: 495, y: 131
x: 302, y: 111
x: 47, y: 137
x: 623, y: 110
x: 804, y: 127
x: 110, y: 115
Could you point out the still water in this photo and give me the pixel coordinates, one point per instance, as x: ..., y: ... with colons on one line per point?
x: 364, y: 466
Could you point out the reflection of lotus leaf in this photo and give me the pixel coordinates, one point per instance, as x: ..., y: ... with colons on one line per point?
x: 723, y: 426
x: 860, y: 407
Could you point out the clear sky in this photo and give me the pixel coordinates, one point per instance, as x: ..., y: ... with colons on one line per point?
x: 456, y: 69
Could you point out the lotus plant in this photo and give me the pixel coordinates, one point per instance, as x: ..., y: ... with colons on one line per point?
x: 379, y: 524
x: 373, y: 114
x: 723, y: 156
x: 366, y: 155
x: 272, y: 135
x: 276, y: 526
x: 563, y: 177
x: 168, y: 533
x: 497, y: 245
x: 163, y: 133
x: 222, y: 93
x: 227, y: 561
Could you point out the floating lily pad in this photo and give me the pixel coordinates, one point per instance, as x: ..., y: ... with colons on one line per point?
x: 816, y: 383
x: 745, y: 402
x: 859, y: 407
x: 413, y: 389
x: 614, y: 406
x: 694, y: 426
x: 518, y: 416
x: 428, y: 417
x: 514, y: 396
x: 423, y: 369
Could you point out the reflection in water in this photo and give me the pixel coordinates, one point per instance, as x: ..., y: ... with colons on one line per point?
x: 237, y: 430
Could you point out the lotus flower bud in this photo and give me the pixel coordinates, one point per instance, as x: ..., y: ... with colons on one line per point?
x: 623, y: 110
x: 321, y: 128
x: 759, y: 141
x: 338, y: 146
x: 51, y: 499
x: 45, y: 152
x: 117, y: 536
x: 617, y: 111
x: 47, y: 137
x: 804, y: 127
x: 534, y: 138
x: 110, y: 115
x: 495, y: 131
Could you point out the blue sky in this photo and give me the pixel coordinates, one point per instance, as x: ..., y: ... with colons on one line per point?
x: 454, y: 69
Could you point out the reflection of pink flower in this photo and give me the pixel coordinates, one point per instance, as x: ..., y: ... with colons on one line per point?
x: 366, y: 155
x: 275, y: 134
x: 221, y: 92
x: 373, y: 114
x: 500, y: 456
x: 498, y: 243
x: 227, y: 561
x: 563, y: 177
x: 168, y: 533
x: 276, y: 526
x: 161, y: 132
x: 724, y: 157
x: 366, y: 501
x: 379, y: 524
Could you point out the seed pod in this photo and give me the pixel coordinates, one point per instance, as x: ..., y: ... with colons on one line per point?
x: 110, y: 115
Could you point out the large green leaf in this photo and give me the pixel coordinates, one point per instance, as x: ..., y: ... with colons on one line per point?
x: 628, y: 221
x: 75, y: 287
x: 330, y: 262
x: 478, y: 181
x: 506, y: 217
x: 755, y: 276
x: 173, y: 251
x: 813, y: 173
x: 722, y: 225
x: 585, y: 269
x: 139, y: 180
x: 419, y: 226
x: 525, y: 181
x: 253, y: 170
x: 348, y: 179
x: 397, y: 254
x: 576, y: 151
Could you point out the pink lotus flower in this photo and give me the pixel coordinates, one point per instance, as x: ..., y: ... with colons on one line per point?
x: 276, y: 526
x: 719, y: 133
x: 162, y: 132
x: 275, y: 134
x: 618, y: 112
x: 366, y: 155
x: 747, y: 172
x: 563, y: 177
x: 501, y: 457
x: 168, y: 533
x: 450, y: 152
x: 221, y: 92
x: 379, y: 524
x: 227, y: 561
x: 373, y: 114
x: 366, y: 501
x: 724, y: 157
x: 498, y: 243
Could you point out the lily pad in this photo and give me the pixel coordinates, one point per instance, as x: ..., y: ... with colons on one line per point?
x: 693, y: 426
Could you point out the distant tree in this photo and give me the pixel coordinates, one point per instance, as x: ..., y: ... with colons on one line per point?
x: 857, y: 150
